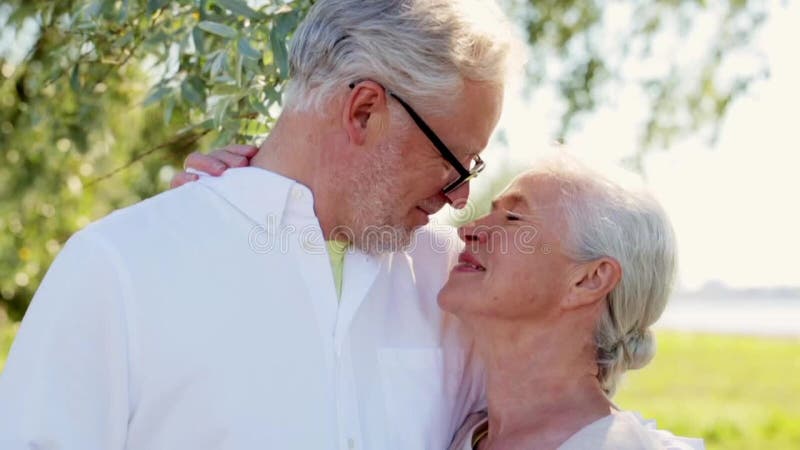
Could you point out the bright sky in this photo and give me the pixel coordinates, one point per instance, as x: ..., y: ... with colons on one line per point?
x: 734, y: 206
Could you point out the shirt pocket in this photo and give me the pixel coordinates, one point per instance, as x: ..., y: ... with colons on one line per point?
x: 419, y: 392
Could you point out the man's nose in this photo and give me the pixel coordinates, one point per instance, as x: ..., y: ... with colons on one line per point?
x: 458, y: 198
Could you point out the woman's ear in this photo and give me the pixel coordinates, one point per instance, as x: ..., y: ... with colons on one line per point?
x: 592, y: 282
x: 365, y: 100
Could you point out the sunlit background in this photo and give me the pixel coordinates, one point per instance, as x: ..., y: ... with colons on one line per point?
x: 734, y: 203
x: 79, y: 140
x: 729, y: 341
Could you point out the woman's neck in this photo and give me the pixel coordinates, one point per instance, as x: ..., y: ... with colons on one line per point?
x: 541, y: 384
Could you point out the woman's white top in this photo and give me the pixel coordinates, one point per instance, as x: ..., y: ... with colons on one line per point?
x: 621, y: 430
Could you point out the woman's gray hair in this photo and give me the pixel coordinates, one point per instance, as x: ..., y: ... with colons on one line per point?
x: 420, y: 49
x: 625, y: 222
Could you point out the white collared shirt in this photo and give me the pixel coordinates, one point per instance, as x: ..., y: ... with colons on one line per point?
x: 206, y: 318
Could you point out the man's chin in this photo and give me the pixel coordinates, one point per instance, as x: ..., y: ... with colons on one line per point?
x: 385, y: 239
x: 420, y: 218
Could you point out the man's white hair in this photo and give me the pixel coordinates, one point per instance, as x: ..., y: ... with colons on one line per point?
x: 420, y: 49
x: 621, y: 220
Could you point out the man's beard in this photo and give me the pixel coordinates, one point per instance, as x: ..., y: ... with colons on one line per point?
x: 374, y: 191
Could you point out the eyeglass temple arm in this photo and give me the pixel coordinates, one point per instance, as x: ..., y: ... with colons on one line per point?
x: 446, y: 153
x: 443, y: 150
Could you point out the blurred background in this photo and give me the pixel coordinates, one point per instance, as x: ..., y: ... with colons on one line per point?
x: 100, y: 101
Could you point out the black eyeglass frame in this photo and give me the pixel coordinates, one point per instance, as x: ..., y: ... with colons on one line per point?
x: 464, y: 175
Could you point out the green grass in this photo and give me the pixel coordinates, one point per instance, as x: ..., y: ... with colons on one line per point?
x: 734, y: 392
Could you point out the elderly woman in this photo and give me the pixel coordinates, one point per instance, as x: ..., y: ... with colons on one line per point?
x: 559, y: 284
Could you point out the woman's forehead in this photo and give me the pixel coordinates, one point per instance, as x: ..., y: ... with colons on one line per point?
x: 530, y: 190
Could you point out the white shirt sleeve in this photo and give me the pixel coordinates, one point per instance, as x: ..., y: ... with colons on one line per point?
x: 65, y: 384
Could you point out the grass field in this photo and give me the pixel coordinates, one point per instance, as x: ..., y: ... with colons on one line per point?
x: 734, y: 392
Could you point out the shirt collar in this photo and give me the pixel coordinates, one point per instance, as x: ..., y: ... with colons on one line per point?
x: 261, y: 195
x: 269, y: 199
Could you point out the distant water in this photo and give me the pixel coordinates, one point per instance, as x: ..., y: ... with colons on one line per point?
x: 752, y: 316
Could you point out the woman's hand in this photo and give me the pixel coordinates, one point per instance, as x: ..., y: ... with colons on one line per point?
x: 214, y: 163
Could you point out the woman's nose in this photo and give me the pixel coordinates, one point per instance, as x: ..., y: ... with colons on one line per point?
x: 473, y: 232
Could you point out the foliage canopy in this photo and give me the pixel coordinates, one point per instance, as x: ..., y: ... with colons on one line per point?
x: 90, y: 88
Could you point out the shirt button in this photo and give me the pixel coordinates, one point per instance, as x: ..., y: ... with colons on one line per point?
x: 351, y: 444
x: 297, y: 193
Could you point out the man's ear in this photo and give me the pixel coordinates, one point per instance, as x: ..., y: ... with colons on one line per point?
x: 592, y: 282
x: 365, y: 100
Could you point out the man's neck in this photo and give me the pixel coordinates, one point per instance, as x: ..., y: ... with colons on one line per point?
x: 296, y: 151
x: 289, y: 151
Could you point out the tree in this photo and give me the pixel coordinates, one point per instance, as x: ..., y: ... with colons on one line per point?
x: 91, y: 89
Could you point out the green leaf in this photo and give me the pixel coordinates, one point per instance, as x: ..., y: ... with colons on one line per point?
x: 239, y: 70
x: 20, y: 13
x: 125, y: 40
x: 47, y: 14
x: 92, y: 10
x: 239, y: 8
x: 221, y: 110
x: 108, y: 9
x: 247, y: 50
x: 219, y: 64
x: 273, y: 96
x: 85, y: 25
x: 193, y: 91
x: 216, y: 64
x: 199, y: 40
x: 225, y: 78
x: 168, y: 109
x: 279, y: 52
x: 225, y: 89
x: 210, y: 58
x: 75, y: 79
x: 123, y: 12
x: 285, y: 23
x: 157, y: 37
x: 157, y: 94
x: 155, y: 5
x: 260, y: 107
x: 217, y: 28
x: 224, y: 138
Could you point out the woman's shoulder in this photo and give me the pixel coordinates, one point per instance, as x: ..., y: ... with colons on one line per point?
x: 626, y: 430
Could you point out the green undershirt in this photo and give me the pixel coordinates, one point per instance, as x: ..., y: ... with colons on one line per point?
x: 336, y: 251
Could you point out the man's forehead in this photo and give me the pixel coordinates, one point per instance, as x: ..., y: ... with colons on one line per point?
x: 476, y: 115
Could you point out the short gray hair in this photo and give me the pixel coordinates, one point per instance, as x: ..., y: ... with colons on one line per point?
x: 607, y: 218
x: 421, y: 49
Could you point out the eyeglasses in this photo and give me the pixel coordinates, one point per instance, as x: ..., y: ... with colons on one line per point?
x: 464, y: 174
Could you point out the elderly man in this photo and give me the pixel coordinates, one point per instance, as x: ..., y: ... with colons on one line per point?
x: 209, y: 317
